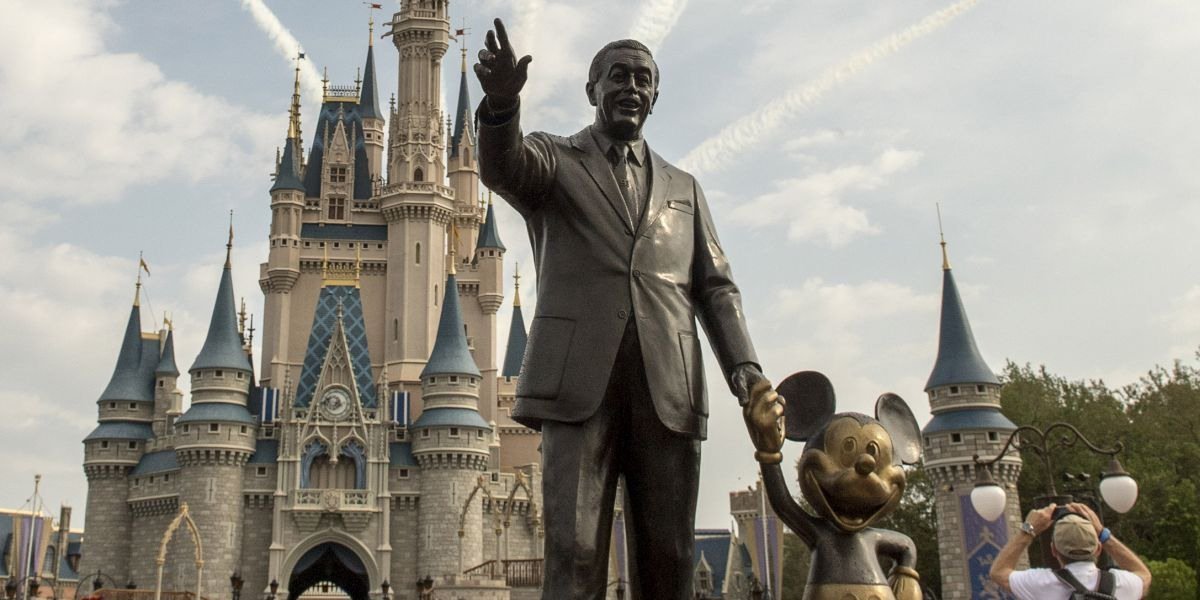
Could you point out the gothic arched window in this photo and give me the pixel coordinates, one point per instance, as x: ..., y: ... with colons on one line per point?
x: 418, y: 174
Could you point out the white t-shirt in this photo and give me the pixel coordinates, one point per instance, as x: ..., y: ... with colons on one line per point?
x: 1042, y: 584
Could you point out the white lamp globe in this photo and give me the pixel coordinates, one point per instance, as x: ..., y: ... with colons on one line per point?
x: 989, y: 500
x: 1120, y: 492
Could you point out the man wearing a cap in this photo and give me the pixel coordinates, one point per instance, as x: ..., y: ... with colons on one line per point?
x: 1077, y: 541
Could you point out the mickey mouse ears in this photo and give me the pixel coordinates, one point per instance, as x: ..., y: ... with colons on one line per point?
x: 893, y: 412
x: 810, y: 404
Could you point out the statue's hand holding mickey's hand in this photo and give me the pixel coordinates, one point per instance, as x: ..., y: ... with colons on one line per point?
x: 764, y: 419
x: 500, y: 73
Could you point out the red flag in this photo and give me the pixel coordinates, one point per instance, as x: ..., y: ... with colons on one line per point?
x: 373, y: 5
x: 458, y: 32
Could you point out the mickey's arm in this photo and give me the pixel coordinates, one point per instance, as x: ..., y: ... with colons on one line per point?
x: 763, y: 415
x: 904, y: 580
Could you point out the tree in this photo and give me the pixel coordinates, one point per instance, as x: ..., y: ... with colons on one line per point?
x: 1173, y: 579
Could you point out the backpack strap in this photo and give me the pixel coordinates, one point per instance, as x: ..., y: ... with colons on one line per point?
x: 1068, y: 578
x: 1108, y: 582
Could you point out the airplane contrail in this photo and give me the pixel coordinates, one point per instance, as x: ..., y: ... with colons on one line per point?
x: 655, y: 21
x: 288, y: 48
x: 751, y: 129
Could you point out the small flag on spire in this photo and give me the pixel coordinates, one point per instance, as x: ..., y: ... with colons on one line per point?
x: 300, y: 56
x: 143, y: 266
x: 373, y: 5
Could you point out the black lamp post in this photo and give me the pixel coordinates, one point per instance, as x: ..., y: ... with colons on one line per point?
x: 274, y: 585
x: 10, y: 588
x: 384, y: 587
x: 235, y: 584
x: 1117, y: 488
x: 756, y: 589
x: 620, y: 590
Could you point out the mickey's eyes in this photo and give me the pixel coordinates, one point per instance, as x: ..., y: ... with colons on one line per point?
x: 873, y: 449
x: 849, y: 445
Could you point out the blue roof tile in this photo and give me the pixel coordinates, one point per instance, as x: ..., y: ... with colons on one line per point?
x: 317, y: 231
x: 450, y: 354
x: 970, y: 418
x: 223, y: 346
x: 368, y: 97
x: 489, y: 235
x: 166, y: 362
x: 120, y: 430
x: 219, y: 412
x: 714, y: 546
x: 265, y: 452
x: 958, y: 358
x: 128, y: 382
x: 288, y: 176
x: 446, y: 416
x: 514, y: 352
x: 462, y: 116
x: 156, y: 462
x: 400, y: 455
x: 324, y: 324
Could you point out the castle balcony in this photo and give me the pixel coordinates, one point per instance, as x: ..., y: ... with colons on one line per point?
x: 355, y: 507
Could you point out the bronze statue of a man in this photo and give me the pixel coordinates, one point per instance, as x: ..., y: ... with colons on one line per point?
x: 627, y: 258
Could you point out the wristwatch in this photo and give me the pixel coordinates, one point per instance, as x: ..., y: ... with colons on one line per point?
x: 1105, y: 535
x: 1027, y: 528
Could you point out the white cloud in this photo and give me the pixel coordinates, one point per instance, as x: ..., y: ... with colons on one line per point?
x: 88, y: 123
x: 655, y: 20
x: 813, y: 206
x: 287, y: 45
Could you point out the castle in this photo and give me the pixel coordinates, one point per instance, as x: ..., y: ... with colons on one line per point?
x: 372, y: 449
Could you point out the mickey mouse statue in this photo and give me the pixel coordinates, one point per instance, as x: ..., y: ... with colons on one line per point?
x: 851, y: 475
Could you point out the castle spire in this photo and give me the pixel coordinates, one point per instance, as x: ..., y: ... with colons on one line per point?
x: 463, y: 114
x: 942, y: 235
x: 287, y: 170
x: 294, y: 112
x: 514, y: 351
x: 368, y: 96
x: 223, y: 344
x: 489, y: 234
x: 450, y: 353
x: 166, y: 361
x: 126, y: 383
x: 958, y: 358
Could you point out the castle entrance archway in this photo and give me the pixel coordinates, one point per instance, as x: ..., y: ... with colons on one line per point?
x: 325, y: 565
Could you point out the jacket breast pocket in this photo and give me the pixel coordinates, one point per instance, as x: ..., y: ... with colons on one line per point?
x: 545, y: 357
x: 693, y: 371
x: 682, y: 204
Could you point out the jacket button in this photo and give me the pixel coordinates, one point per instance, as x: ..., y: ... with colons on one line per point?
x: 637, y: 273
x: 621, y: 314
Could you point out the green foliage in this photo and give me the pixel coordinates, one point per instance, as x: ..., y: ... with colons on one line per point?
x: 795, y: 567
x: 1171, y: 579
x: 1156, y: 419
x: 916, y: 517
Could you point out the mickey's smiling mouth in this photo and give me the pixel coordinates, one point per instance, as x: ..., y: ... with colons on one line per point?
x: 849, y: 524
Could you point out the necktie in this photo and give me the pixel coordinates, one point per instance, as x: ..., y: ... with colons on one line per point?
x: 627, y: 183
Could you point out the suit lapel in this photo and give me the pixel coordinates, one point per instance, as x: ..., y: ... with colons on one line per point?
x: 658, y: 190
x: 597, y: 165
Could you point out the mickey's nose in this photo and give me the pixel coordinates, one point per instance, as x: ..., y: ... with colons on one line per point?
x: 865, y: 464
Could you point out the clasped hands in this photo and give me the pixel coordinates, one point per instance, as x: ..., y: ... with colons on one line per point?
x: 762, y: 409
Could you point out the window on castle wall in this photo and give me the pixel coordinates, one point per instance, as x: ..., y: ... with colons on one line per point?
x: 242, y: 430
x: 479, y: 433
x: 403, y: 474
x: 418, y: 174
x: 187, y: 428
x: 337, y: 174
x: 928, y: 444
x: 104, y: 445
x: 167, y: 478
x: 953, y: 390
x: 454, y: 432
x: 133, y: 445
x: 418, y: 253
x: 220, y: 373
x: 956, y: 438
x: 260, y: 471
x: 454, y: 379
x: 395, y: 330
x: 112, y: 405
x: 425, y: 433
x: 435, y: 295
x: 325, y: 474
x: 214, y: 428
x: 979, y: 389
x: 337, y: 209
x: 133, y: 406
x: 241, y: 375
x: 993, y: 436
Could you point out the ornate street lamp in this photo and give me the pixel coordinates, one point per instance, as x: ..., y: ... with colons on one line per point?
x: 384, y: 587
x: 1117, y: 488
x: 10, y: 588
x: 425, y: 587
x: 274, y: 586
x: 235, y: 583
x: 756, y: 589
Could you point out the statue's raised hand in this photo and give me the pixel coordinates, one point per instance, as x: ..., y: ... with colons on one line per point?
x: 500, y: 73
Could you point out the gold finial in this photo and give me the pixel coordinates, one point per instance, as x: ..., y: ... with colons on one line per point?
x: 358, y: 78
x: 942, y: 235
x: 137, y: 286
x: 325, y: 81
x: 489, y: 197
x: 294, y: 112
x: 517, y: 286
x: 229, y: 244
x: 250, y: 337
x: 168, y: 323
x: 371, y: 8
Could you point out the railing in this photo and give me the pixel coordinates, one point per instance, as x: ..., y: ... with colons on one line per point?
x: 334, y: 499
x: 415, y: 186
x: 516, y: 573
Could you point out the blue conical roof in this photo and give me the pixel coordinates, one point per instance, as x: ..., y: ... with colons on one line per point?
x: 450, y: 353
x: 489, y: 234
x: 462, y: 117
x: 166, y: 362
x: 288, y: 177
x: 223, y: 346
x: 517, y: 338
x: 958, y: 359
x: 127, y: 382
x: 368, y: 97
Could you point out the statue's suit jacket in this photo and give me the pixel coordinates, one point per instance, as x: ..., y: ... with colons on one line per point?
x: 595, y: 271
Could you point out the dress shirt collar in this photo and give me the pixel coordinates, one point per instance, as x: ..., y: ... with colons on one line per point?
x: 638, y: 147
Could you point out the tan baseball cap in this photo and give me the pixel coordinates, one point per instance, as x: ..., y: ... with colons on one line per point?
x: 1075, y: 538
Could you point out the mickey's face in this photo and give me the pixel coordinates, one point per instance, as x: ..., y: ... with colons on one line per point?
x: 848, y: 475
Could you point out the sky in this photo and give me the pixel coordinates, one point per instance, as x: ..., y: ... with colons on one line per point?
x: 1058, y: 139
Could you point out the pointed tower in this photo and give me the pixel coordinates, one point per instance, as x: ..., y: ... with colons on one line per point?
x: 451, y: 444
x: 168, y: 400
x: 463, y: 167
x: 113, y: 449
x: 514, y: 353
x: 369, y: 110
x: 416, y: 204
x: 216, y: 436
x: 282, y: 269
x: 964, y: 397
x: 519, y: 444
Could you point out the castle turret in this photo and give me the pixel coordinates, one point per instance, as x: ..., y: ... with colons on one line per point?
x: 114, y: 448
x: 964, y: 397
x: 463, y: 169
x: 368, y: 108
x: 514, y: 352
x: 451, y: 444
x: 216, y: 436
x: 168, y: 400
x: 417, y: 207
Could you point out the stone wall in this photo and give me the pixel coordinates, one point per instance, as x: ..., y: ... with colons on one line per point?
x: 107, y: 523
x: 213, y: 493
